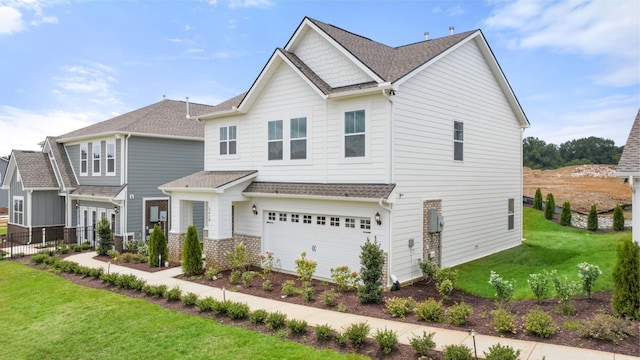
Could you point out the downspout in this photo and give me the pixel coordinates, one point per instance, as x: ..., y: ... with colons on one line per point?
x: 631, y: 185
x: 124, y: 213
x: 390, y: 179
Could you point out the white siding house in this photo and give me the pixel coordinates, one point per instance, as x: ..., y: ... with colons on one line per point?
x: 629, y: 169
x: 341, y: 139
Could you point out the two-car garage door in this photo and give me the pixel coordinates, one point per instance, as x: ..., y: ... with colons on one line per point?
x: 330, y: 240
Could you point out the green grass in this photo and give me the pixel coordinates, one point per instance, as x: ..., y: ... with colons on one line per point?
x: 3, y: 230
x: 46, y: 317
x: 548, y: 246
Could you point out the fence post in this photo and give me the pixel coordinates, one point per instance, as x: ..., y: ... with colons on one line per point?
x: 44, y: 237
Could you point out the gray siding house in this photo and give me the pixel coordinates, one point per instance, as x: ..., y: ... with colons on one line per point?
x: 4, y: 194
x: 109, y: 169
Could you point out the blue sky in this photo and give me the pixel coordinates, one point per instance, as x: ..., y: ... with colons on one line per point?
x: 574, y: 65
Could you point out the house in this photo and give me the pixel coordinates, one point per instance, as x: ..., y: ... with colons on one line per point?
x: 4, y: 194
x: 629, y: 168
x: 341, y: 138
x: 109, y: 169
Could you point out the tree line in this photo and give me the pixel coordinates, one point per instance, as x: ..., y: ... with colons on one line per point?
x: 537, y: 154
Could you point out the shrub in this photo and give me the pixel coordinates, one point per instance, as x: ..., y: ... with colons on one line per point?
x: 341, y: 339
x: 592, y: 219
x: 503, y: 321
x: 499, y: 352
x: 457, y: 352
x: 127, y: 281
x: 549, y: 207
x: 445, y: 281
x: 289, y: 288
x: 424, y: 344
x: 189, y: 299
x: 606, y: 328
x: 173, y: 294
x: 39, y: 258
x: 206, y: 304
x: 342, y: 308
x: 297, y: 326
x: 565, y: 289
x: 235, y: 276
x: 275, y: 320
x: 345, y: 279
x: 430, y: 310
x: 105, y: 236
x: 158, y: 248
x: 428, y: 268
x: 237, y: 310
x: 372, y: 261
x: 238, y: 257
x: 589, y: 274
x: 324, y: 332
x: 268, y: 263
x: 618, y: 218
x: 137, y: 247
x: 540, y: 323
x: 399, y: 307
x: 221, y: 307
x: 113, y: 254
x: 537, y: 200
x: 329, y: 297
x: 247, y: 278
x: 156, y: 291
x: 191, y: 253
x: 258, y: 316
x: 386, y: 339
x: 307, y: 293
x: 267, y: 285
x: 565, y: 215
x: 305, y: 267
x: 459, y: 313
x: 625, y: 299
x: 357, y: 333
x: 110, y: 278
x: 503, y: 288
x: 539, y: 284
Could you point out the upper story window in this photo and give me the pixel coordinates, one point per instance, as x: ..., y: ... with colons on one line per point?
x: 298, y: 138
x: 511, y: 214
x: 458, y: 140
x: 111, y: 158
x: 354, y: 133
x: 18, y: 210
x: 84, y: 159
x: 97, y: 155
x: 228, y: 140
x: 275, y: 140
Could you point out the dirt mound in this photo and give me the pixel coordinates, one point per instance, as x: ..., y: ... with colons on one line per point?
x: 581, y: 185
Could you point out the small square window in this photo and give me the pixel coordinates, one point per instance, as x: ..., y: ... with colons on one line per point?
x: 321, y: 220
x: 365, y: 224
x: 272, y: 216
x: 295, y: 218
x: 350, y: 223
x: 283, y: 217
x: 335, y: 221
x: 306, y: 219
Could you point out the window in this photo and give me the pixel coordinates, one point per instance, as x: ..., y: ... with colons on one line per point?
x: 511, y: 214
x: 295, y: 218
x: 228, y: 139
x: 298, y: 138
x: 458, y: 138
x: 283, y: 217
x: 113, y: 223
x: 272, y: 216
x: 335, y: 221
x: 111, y: 158
x: 275, y: 140
x: 84, y: 158
x: 321, y: 220
x: 354, y: 133
x: 96, y: 158
x: 350, y: 223
x: 18, y: 210
x: 306, y: 219
x: 365, y: 224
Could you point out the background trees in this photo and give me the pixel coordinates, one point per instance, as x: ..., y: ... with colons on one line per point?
x: 537, y: 154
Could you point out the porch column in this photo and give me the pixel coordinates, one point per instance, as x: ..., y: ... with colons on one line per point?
x: 179, y: 225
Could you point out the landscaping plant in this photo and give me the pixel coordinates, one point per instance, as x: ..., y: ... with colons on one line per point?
x: 191, y: 253
x: 357, y: 334
x: 459, y: 313
x: 503, y: 288
x: 549, y: 207
x: 424, y: 344
x: 399, y: 306
x: 565, y: 289
x: 445, y: 280
x: 499, y: 352
x: 372, y: 261
x: 430, y: 310
x: 565, y: 215
x: 537, y: 200
x: 457, y: 352
x: 105, y: 236
x: 344, y: 278
x: 305, y: 267
x: 618, y: 218
x: 539, y: 284
x: 428, y: 268
x: 589, y: 274
x: 386, y: 339
x: 158, y: 248
x: 540, y: 323
x: 238, y: 257
x: 592, y: 219
x: 625, y: 299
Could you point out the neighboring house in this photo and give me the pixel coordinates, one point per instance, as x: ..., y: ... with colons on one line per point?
x: 342, y: 138
x: 4, y: 194
x: 109, y: 169
x: 629, y: 168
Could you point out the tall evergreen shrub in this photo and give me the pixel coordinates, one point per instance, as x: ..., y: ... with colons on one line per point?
x: 537, y: 200
x: 191, y: 253
x: 105, y: 236
x: 565, y: 216
x: 158, y: 247
x: 550, y: 207
x: 625, y: 299
x: 618, y: 218
x: 592, y: 219
x: 372, y: 261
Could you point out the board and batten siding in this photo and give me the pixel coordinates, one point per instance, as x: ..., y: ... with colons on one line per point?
x: 73, y: 151
x: 48, y: 208
x: 474, y: 192
x: 4, y: 194
x: 16, y: 190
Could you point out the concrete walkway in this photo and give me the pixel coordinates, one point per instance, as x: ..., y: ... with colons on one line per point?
x: 340, y: 321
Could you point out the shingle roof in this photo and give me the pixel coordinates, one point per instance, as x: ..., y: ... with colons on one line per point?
x: 365, y: 191
x: 207, y: 179
x: 64, y: 166
x: 630, y: 160
x: 167, y: 118
x: 35, y: 170
x: 98, y: 191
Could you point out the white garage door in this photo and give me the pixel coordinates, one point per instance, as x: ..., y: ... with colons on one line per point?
x: 328, y: 239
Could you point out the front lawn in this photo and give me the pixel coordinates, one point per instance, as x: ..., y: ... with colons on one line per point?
x: 3, y: 230
x: 47, y: 317
x: 547, y: 246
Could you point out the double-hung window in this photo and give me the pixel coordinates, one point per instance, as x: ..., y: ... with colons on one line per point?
x: 354, y: 134
x: 228, y: 140
x: 275, y: 140
x: 84, y: 159
x: 511, y: 214
x: 18, y: 210
x: 298, y: 136
x: 111, y: 158
x: 97, y: 154
x: 458, y: 141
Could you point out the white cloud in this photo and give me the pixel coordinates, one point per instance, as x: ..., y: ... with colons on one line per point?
x: 95, y: 80
x: 10, y: 20
x: 455, y: 10
x: 12, y: 11
x: 263, y: 4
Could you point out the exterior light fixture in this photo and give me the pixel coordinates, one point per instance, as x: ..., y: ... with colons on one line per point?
x: 378, y: 218
x: 116, y: 209
x: 254, y: 208
x: 472, y: 333
x: 77, y: 204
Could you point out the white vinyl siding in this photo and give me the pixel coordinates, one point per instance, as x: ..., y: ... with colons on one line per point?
x: 18, y: 210
x: 111, y: 158
x: 354, y: 133
x: 84, y: 159
x: 97, y: 157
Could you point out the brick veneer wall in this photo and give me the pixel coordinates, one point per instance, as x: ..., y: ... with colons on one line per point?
x: 431, y: 240
x: 215, y: 250
x: 176, y: 242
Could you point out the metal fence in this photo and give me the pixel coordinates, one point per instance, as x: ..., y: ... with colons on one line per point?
x: 32, y: 242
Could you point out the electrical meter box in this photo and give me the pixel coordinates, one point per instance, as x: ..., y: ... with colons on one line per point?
x: 435, y: 222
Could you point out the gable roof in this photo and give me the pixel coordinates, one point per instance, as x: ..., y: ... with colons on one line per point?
x: 35, y: 170
x: 209, y: 180
x: 166, y: 118
x: 59, y: 154
x: 372, y: 192
x: 629, y: 163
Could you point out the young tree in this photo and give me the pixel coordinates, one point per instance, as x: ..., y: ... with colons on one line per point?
x: 372, y: 260
x: 105, y: 236
x: 549, y: 207
x: 191, y: 253
x: 565, y: 216
x: 618, y: 218
x: 625, y: 299
x: 537, y: 200
x: 592, y: 219
x: 158, y: 247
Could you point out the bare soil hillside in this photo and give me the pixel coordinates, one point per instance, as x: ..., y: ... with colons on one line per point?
x: 581, y: 185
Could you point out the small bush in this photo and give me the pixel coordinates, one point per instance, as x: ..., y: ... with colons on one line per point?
x: 386, y: 339
x: 275, y: 320
x: 126, y: 281
x: 189, y: 299
x: 156, y: 291
x: 328, y: 297
x: 324, y: 332
x: 372, y: 261
x: 565, y: 289
x: 592, y: 219
x: 345, y: 278
x: 289, y: 288
x: 212, y: 273
x: 499, y: 352
x: 158, y: 248
x: 459, y: 313
x: 430, y: 310
x: 173, y: 294
x: 298, y: 327
x: 39, y: 258
x: 191, y: 253
x: 307, y: 293
x: 428, y: 268
x: 565, y: 215
x: 539, y: 284
x: 588, y: 274
x: 238, y: 310
x: 503, y: 321
x: 503, y: 288
x: 457, y: 352
x: 267, y: 285
x: 238, y: 257
x: 222, y: 307
x: 342, y: 308
x: 549, y: 207
x: 247, y: 278
x: 357, y: 334
x: 341, y: 339
x: 606, y: 328
x: 235, y: 276
x: 445, y: 281
x: 105, y: 236
x: 540, y: 323
x: 618, y: 218
x: 305, y: 267
x: 110, y: 278
x: 400, y: 307
x: 206, y: 304
x: 113, y: 254
x: 258, y: 316
x: 537, y: 200
x: 625, y: 299
x: 424, y: 344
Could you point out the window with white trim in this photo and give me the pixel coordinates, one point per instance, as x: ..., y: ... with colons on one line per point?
x: 511, y: 214
x: 275, y: 140
x: 272, y: 216
x: 350, y: 223
x: 335, y: 221
x: 111, y: 158
x: 458, y: 141
x: 306, y: 219
x: 97, y: 155
x: 298, y: 138
x: 18, y: 210
x: 228, y: 140
x: 84, y: 159
x: 365, y: 224
x: 321, y: 220
x: 295, y: 218
x: 354, y: 134
x: 283, y: 217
